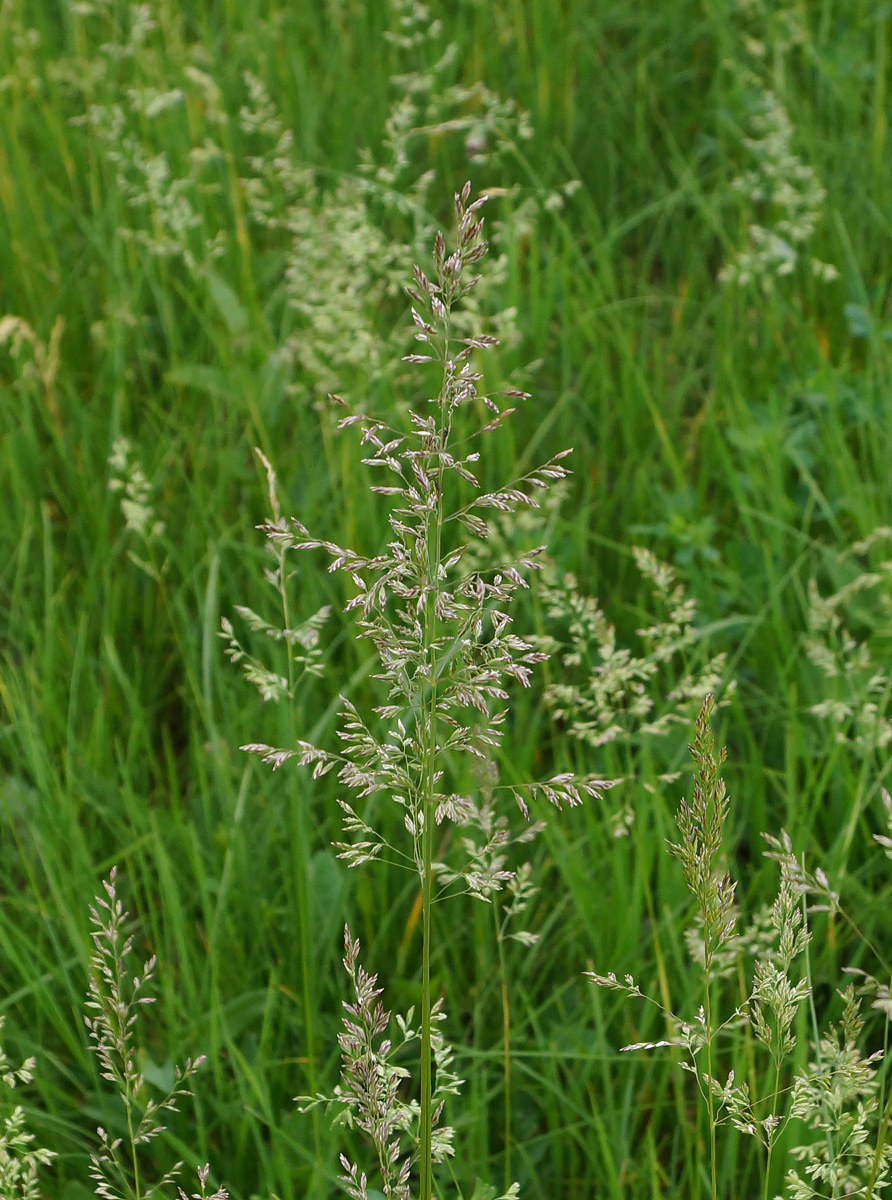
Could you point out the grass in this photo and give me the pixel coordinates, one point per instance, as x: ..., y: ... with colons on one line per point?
x: 743, y: 437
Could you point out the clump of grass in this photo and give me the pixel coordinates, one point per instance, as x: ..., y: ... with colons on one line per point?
x: 166, y: 325
x: 836, y: 1094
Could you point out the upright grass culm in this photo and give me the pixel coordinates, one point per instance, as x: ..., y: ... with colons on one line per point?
x: 700, y: 825
x: 442, y: 634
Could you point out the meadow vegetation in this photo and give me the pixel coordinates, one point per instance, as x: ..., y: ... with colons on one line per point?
x: 654, y: 972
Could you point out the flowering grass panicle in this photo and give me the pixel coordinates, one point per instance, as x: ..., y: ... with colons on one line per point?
x: 43, y: 364
x: 442, y: 635
x: 370, y: 1094
x: 442, y: 632
x: 783, y: 194
x: 700, y: 824
x: 114, y: 1001
x: 129, y: 479
x: 36, y: 361
x: 843, y: 628
x: 20, y: 1159
x: 786, y: 194
x: 610, y: 694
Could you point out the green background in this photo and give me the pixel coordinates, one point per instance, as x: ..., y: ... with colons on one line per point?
x: 744, y: 437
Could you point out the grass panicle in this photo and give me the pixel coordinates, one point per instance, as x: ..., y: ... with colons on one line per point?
x: 20, y: 1158
x: 442, y: 636
x: 113, y: 1006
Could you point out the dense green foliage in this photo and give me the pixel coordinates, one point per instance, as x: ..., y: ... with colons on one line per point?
x: 741, y: 430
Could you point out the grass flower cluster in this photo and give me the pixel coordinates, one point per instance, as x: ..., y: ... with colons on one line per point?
x: 856, y: 684
x: 787, y: 191
x: 619, y: 698
x: 830, y: 1093
x: 783, y: 193
x: 443, y: 640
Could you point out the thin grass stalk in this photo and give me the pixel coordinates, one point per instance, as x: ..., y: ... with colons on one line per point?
x: 134, y: 1157
x: 427, y: 876
x: 882, y: 1134
x: 506, y: 1037
x: 427, y: 840
x: 816, y: 1030
x: 774, y: 1100
x: 303, y: 907
x: 710, y: 1101
x: 426, y: 1158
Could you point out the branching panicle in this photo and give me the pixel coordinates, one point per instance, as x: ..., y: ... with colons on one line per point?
x: 442, y: 634
x: 369, y: 1095
x: 609, y: 693
x: 114, y: 1001
x: 20, y: 1158
x: 440, y: 623
x: 851, y: 670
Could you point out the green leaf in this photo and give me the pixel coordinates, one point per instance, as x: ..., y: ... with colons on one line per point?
x: 161, y: 1075
x: 226, y: 299
x: 203, y: 379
